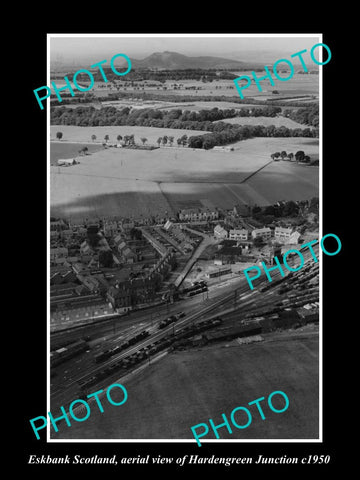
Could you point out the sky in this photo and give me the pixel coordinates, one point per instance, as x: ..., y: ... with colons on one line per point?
x: 74, y: 49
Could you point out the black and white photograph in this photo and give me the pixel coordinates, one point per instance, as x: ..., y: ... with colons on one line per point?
x: 184, y: 223
x: 183, y: 319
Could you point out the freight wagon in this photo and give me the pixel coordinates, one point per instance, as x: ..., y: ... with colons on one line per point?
x: 65, y: 353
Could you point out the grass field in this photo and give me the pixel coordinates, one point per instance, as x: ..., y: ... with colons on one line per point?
x: 123, y: 182
x: 69, y: 150
x: 190, y: 387
x: 266, y: 121
x: 83, y: 134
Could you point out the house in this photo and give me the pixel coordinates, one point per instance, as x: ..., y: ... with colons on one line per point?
x: 238, y: 234
x: 168, y: 225
x: 59, y: 252
x: 220, y: 232
x: 67, y: 161
x: 85, y: 248
x: 218, y: 272
x: 110, y: 228
x: 128, y: 255
x: 294, y: 238
x: 264, y: 233
x: 282, y: 234
x: 198, y: 214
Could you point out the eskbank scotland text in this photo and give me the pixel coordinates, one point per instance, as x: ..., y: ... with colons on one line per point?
x: 180, y: 461
x: 74, y: 409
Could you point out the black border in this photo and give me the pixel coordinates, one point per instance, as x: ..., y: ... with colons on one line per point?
x: 34, y: 287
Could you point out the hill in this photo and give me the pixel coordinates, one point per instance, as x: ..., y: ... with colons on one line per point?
x: 172, y: 60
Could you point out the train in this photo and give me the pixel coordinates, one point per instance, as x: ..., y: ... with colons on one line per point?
x: 106, y: 354
x: 197, y: 291
x: 66, y: 353
x: 196, y: 287
x: 122, y: 365
x: 172, y: 319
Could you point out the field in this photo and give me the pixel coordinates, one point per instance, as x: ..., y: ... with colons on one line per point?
x: 83, y: 134
x: 188, y: 388
x: 298, y: 85
x: 123, y: 182
x: 69, y: 150
x: 266, y: 121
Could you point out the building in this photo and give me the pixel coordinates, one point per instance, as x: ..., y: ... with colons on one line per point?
x: 168, y: 225
x: 198, y: 214
x: 264, y: 233
x: 220, y: 232
x: 282, y: 234
x: 59, y: 252
x: 238, y: 234
x: 128, y: 256
x: 294, y: 238
x: 218, y: 272
x: 67, y: 162
x: 85, y: 248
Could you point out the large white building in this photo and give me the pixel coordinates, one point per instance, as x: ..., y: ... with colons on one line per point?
x: 282, y: 234
x: 238, y: 234
x: 220, y: 232
x: 264, y: 233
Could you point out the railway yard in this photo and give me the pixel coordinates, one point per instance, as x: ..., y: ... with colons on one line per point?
x: 90, y: 357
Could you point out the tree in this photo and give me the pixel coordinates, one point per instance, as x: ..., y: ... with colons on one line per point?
x: 164, y: 139
x: 144, y: 140
x: 83, y: 151
x: 106, y: 258
x: 283, y: 154
x: 171, y: 140
x: 258, y: 241
x: 299, y: 155
x: 158, y: 141
x: 118, y: 138
x: 291, y: 156
x: 59, y: 135
x: 290, y: 208
x: 93, y: 137
x: 106, y: 138
x: 184, y: 140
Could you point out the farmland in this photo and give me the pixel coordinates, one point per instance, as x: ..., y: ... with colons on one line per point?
x: 276, y: 121
x: 123, y: 182
x: 83, y: 134
x: 298, y: 85
x: 190, y: 387
x: 69, y: 150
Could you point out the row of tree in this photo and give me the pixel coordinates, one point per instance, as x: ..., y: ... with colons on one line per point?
x: 299, y: 156
x: 305, y: 116
x: 235, y: 133
x: 90, y: 116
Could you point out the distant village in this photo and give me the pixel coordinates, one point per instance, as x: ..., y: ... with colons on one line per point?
x: 105, y: 266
